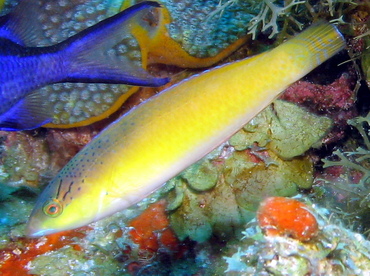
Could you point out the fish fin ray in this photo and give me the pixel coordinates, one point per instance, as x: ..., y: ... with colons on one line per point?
x: 22, y: 25
x: 88, y: 58
x: 31, y: 112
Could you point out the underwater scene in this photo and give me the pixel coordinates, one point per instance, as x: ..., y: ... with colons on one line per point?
x: 184, y: 137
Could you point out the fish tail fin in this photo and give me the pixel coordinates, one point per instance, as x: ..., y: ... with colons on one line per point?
x: 318, y: 43
x: 89, y: 56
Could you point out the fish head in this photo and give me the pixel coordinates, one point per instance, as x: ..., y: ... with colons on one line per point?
x: 55, y: 210
x: 70, y: 201
x: 88, y: 188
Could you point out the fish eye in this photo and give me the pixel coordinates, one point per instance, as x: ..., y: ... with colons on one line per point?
x: 53, y: 208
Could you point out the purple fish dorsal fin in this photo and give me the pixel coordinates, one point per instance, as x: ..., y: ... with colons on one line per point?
x: 22, y: 24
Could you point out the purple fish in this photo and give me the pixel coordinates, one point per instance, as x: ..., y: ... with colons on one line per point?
x: 84, y: 57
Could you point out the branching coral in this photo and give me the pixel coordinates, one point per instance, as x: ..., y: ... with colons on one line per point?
x: 297, y: 13
x: 268, y: 17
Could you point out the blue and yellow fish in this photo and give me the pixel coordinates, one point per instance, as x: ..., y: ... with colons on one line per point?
x: 83, y: 58
x: 155, y: 141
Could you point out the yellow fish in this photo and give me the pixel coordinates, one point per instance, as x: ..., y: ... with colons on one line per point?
x: 158, y: 139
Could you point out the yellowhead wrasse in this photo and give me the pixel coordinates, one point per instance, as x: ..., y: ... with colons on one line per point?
x: 158, y: 139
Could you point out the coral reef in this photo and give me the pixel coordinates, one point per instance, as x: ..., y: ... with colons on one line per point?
x: 269, y: 14
x: 210, y: 202
x: 188, y: 36
x: 124, y: 244
x: 285, y: 128
x: 119, y: 245
x: 13, y: 214
x: 15, y: 258
x: 335, y: 251
x: 337, y: 95
x: 283, y: 18
x: 337, y: 100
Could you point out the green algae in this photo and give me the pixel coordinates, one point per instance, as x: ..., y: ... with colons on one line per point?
x: 347, y: 176
x: 365, y: 59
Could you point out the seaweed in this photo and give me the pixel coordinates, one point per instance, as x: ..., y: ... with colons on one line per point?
x: 347, y: 174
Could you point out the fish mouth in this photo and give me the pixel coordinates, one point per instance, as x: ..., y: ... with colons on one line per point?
x: 33, y: 229
x: 36, y: 234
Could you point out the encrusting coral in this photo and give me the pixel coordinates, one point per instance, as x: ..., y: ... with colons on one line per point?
x: 286, y: 217
x: 220, y: 193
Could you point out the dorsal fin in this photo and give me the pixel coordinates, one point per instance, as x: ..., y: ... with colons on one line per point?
x: 21, y: 25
